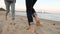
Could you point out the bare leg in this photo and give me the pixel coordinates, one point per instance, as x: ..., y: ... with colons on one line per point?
x: 36, y: 19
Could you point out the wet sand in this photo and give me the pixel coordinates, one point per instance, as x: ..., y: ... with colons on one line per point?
x: 48, y: 26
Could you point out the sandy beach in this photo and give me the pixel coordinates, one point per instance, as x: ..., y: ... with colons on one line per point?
x: 48, y: 26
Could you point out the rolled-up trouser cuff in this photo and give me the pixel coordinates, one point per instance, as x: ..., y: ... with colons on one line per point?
x: 31, y: 23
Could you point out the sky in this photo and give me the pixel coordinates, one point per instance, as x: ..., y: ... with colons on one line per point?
x: 41, y: 5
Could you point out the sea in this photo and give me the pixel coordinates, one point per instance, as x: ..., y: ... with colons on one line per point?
x: 43, y: 15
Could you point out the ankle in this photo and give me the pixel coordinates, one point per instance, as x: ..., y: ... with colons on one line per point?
x: 31, y: 23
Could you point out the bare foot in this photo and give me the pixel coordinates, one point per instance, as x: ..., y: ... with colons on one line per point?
x: 32, y: 29
x: 13, y: 22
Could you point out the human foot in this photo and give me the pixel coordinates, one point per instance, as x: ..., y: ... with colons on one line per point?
x: 13, y: 22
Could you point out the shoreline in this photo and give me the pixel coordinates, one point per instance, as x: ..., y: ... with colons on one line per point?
x: 41, y: 18
x: 25, y: 16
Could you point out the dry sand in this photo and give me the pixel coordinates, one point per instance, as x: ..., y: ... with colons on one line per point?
x: 48, y: 26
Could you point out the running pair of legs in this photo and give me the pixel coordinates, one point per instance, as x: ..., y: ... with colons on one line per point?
x: 12, y: 5
x: 31, y: 14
